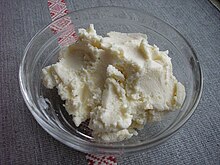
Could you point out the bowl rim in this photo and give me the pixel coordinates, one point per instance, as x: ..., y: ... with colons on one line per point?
x: 89, y: 147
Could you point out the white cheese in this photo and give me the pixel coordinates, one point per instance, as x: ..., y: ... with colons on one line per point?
x: 118, y: 82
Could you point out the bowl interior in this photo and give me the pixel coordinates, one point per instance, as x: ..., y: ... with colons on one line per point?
x: 47, y: 107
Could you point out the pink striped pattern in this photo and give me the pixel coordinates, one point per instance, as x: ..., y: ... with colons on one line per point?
x: 57, y: 9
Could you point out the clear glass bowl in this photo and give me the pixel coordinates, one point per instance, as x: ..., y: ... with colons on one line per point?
x: 46, y: 106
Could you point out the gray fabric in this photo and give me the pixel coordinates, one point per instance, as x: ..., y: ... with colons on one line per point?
x: 23, y: 141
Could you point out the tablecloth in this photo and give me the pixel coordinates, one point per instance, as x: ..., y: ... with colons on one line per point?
x: 23, y: 141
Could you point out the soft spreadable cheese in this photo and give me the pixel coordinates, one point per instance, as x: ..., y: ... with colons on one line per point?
x: 118, y: 83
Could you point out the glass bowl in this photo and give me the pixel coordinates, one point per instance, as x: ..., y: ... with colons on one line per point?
x: 47, y: 107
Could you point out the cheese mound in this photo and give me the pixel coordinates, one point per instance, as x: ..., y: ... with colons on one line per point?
x: 118, y: 82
